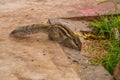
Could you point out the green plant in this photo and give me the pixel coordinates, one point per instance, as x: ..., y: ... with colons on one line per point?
x: 111, y: 59
x: 106, y: 26
x: 113, y: 56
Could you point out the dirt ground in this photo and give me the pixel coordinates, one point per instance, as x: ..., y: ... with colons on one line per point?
x: 35, y: 58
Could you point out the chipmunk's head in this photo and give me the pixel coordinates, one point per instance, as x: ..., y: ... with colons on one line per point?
x: 17, y: 33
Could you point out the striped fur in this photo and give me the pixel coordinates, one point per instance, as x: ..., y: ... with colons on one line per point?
x: 64, y: 36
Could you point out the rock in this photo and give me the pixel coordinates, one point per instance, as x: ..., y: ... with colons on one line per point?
x: 85, y: 69
x: 117, y: 71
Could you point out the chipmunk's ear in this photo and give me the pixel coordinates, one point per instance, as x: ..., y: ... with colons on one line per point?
x: 52, y: 21
x: 49, y: 21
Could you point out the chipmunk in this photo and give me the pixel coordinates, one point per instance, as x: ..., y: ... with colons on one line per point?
x: 64, y: 36
x: 57, y: 32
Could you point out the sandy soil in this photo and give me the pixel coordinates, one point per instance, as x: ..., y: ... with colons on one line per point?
x: 34, y: 58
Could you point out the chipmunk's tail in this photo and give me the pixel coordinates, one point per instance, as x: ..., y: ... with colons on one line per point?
x: 23, y: 31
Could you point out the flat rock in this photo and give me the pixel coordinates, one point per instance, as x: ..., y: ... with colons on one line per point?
x: 85, y: 69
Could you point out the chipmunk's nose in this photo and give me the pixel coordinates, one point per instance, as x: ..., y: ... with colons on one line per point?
x: 16, y: 33
x: 13, y: 32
